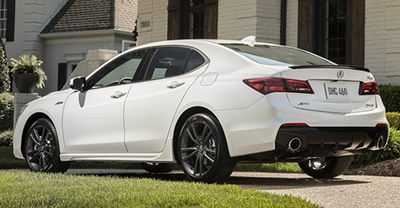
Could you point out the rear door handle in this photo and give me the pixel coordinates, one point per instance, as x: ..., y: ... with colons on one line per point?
x: 175, y: 84
x: 118, y: 94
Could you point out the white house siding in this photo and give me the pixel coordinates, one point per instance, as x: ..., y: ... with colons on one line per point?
x: 124, y: 9
x: 268, y: 21
x: 155, y: 13
x: 30, y: 16
x: 382, y: 42
x: 292, y: 13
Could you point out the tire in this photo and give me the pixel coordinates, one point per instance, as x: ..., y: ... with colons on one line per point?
x: 159, y: 167
x: 202, y: 152
x: 329, y: 167
x: 41, y: 147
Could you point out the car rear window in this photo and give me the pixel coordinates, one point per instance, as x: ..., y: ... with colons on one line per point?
x: 277, y: 55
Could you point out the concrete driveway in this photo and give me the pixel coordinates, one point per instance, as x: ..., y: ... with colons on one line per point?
x: 341, y: 192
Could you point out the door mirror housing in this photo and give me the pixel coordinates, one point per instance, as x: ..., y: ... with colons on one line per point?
x: 78, y: 83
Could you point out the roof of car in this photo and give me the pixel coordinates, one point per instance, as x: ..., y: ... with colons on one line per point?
x: 189, y: 41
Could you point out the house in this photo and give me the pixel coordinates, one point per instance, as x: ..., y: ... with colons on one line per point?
x: 353, y: 32
x: 61, y: 32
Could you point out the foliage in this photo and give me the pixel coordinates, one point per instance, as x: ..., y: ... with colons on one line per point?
x: 392, y: 150
x: 27, y: 64
x: 28, y: 189
x: 394, y: 119
x: 6, y: 138
x: 4, y: 77
x: 6, y: 111
x: 135, y: 32
x: 390, y: 95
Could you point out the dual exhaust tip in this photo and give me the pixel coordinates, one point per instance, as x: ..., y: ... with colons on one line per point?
x: 294, y: 143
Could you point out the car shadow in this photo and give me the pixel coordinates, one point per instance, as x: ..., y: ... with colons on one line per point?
x: 250, y: 180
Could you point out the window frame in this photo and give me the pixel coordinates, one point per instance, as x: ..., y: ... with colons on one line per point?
x: 144, y: 70
x: 105, y: 70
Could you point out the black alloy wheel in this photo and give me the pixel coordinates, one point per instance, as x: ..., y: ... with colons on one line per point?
x: 328, y: 167
x: 41, y: 148
x: 202, y: 151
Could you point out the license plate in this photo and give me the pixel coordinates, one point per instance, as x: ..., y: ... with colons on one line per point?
x: 337, y: 91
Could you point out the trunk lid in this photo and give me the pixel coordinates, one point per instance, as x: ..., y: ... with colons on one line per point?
x: 336, y: 88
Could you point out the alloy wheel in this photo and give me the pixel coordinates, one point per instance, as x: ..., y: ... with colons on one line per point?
x: 40, y: 148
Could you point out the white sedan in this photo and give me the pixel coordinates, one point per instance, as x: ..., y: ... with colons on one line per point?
x: 206, y: 105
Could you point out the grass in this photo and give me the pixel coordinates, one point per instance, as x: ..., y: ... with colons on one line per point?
x: 8, y: 161
x: 21, y: 189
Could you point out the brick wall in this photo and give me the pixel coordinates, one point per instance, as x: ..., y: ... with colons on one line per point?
x: 152, y: 21
x: 268, y: 21
x: 292, y: 22
x: 125, y: 14
x: 382, y: 40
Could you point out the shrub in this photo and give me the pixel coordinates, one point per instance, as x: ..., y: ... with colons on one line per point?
x: 6, y: 111
x: 6, y: 138
x: 4, y: 77
x: 394, y: 119
x: 390, y: 95
x: 391, y: 151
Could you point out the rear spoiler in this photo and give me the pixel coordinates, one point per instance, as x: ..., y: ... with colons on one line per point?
x: 359, y: 68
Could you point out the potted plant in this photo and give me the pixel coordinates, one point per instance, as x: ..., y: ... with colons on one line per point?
x: 27, y: 73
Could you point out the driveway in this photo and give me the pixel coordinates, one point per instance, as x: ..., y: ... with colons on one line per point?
x: 345, y: 191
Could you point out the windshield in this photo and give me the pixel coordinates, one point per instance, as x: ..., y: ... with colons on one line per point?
x: 277, y: 55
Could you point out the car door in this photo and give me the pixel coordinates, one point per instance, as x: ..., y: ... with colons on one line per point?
x: 93, y: 119
x: 152, y: 103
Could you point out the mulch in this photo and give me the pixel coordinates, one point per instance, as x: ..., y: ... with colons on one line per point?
x: 384, y: 168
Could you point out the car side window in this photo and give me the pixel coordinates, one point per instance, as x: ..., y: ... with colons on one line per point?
x: 194, y: 61
x: 121, y: 70
x: 168, y: 62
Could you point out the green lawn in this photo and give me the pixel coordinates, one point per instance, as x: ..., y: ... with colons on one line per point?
x: 22, y: 189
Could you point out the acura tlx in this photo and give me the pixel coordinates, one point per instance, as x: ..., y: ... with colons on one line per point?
x: 205, y: 105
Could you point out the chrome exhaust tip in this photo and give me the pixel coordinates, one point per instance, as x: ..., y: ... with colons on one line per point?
x: 380, y: 143
x: 294, y: 144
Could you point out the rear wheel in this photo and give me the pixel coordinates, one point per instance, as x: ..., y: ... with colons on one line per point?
x: 158, y: 167
x: 202, y: 150
x: 42, y: 151
x: 329, y: 167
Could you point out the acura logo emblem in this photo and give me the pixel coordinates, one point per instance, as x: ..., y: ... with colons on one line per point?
x: 340, y: 74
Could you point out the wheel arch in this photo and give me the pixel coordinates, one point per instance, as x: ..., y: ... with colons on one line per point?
x: 181, y: 121
x: 28, y: 124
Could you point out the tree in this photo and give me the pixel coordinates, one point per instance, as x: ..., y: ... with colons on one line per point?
x: 4, y: 71
x: 135, y: 33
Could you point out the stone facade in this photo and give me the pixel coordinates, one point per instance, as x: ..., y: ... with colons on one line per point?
x: 292, y: 23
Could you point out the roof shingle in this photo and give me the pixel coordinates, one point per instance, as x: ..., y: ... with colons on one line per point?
x: 83, y: 15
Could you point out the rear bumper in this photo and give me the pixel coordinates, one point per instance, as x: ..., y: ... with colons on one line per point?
x: 329, y: 141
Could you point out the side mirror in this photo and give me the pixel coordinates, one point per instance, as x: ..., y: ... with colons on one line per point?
x: 78, y: 83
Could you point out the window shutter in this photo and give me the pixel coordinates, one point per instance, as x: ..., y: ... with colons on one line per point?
x: 173, y: 19
x: 356, y: 24
x: 10, y: 20
x: 62, y: 75
x: 305, y: 25
x: 211, y: 19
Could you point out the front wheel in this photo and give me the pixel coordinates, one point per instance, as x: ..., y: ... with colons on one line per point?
x: 41, y: 148
x: 202, y: 150
x: 329, y: 167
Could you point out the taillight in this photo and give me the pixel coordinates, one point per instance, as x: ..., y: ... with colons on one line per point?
x: 269, y: 85
x: 370, y: 88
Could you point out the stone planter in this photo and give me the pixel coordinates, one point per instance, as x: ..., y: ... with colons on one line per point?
x: 25, y: 83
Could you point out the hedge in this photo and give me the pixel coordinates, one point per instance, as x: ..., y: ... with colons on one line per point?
x: 390, y: 95
x: 6, y: 111
x: 394, y: 119
x: 6, y: 138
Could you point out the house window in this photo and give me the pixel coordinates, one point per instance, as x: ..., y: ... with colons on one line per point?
x: 336, y: 30
x: 196, y: 19
x: 3, y: 18
x: 192, y: 19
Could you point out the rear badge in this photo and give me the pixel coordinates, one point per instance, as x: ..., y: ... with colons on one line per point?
x: 340, y: 74
x: 370, y: 77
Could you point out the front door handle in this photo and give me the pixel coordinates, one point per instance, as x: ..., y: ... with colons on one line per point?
x: 118, y: 94
x: 175, y: 84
